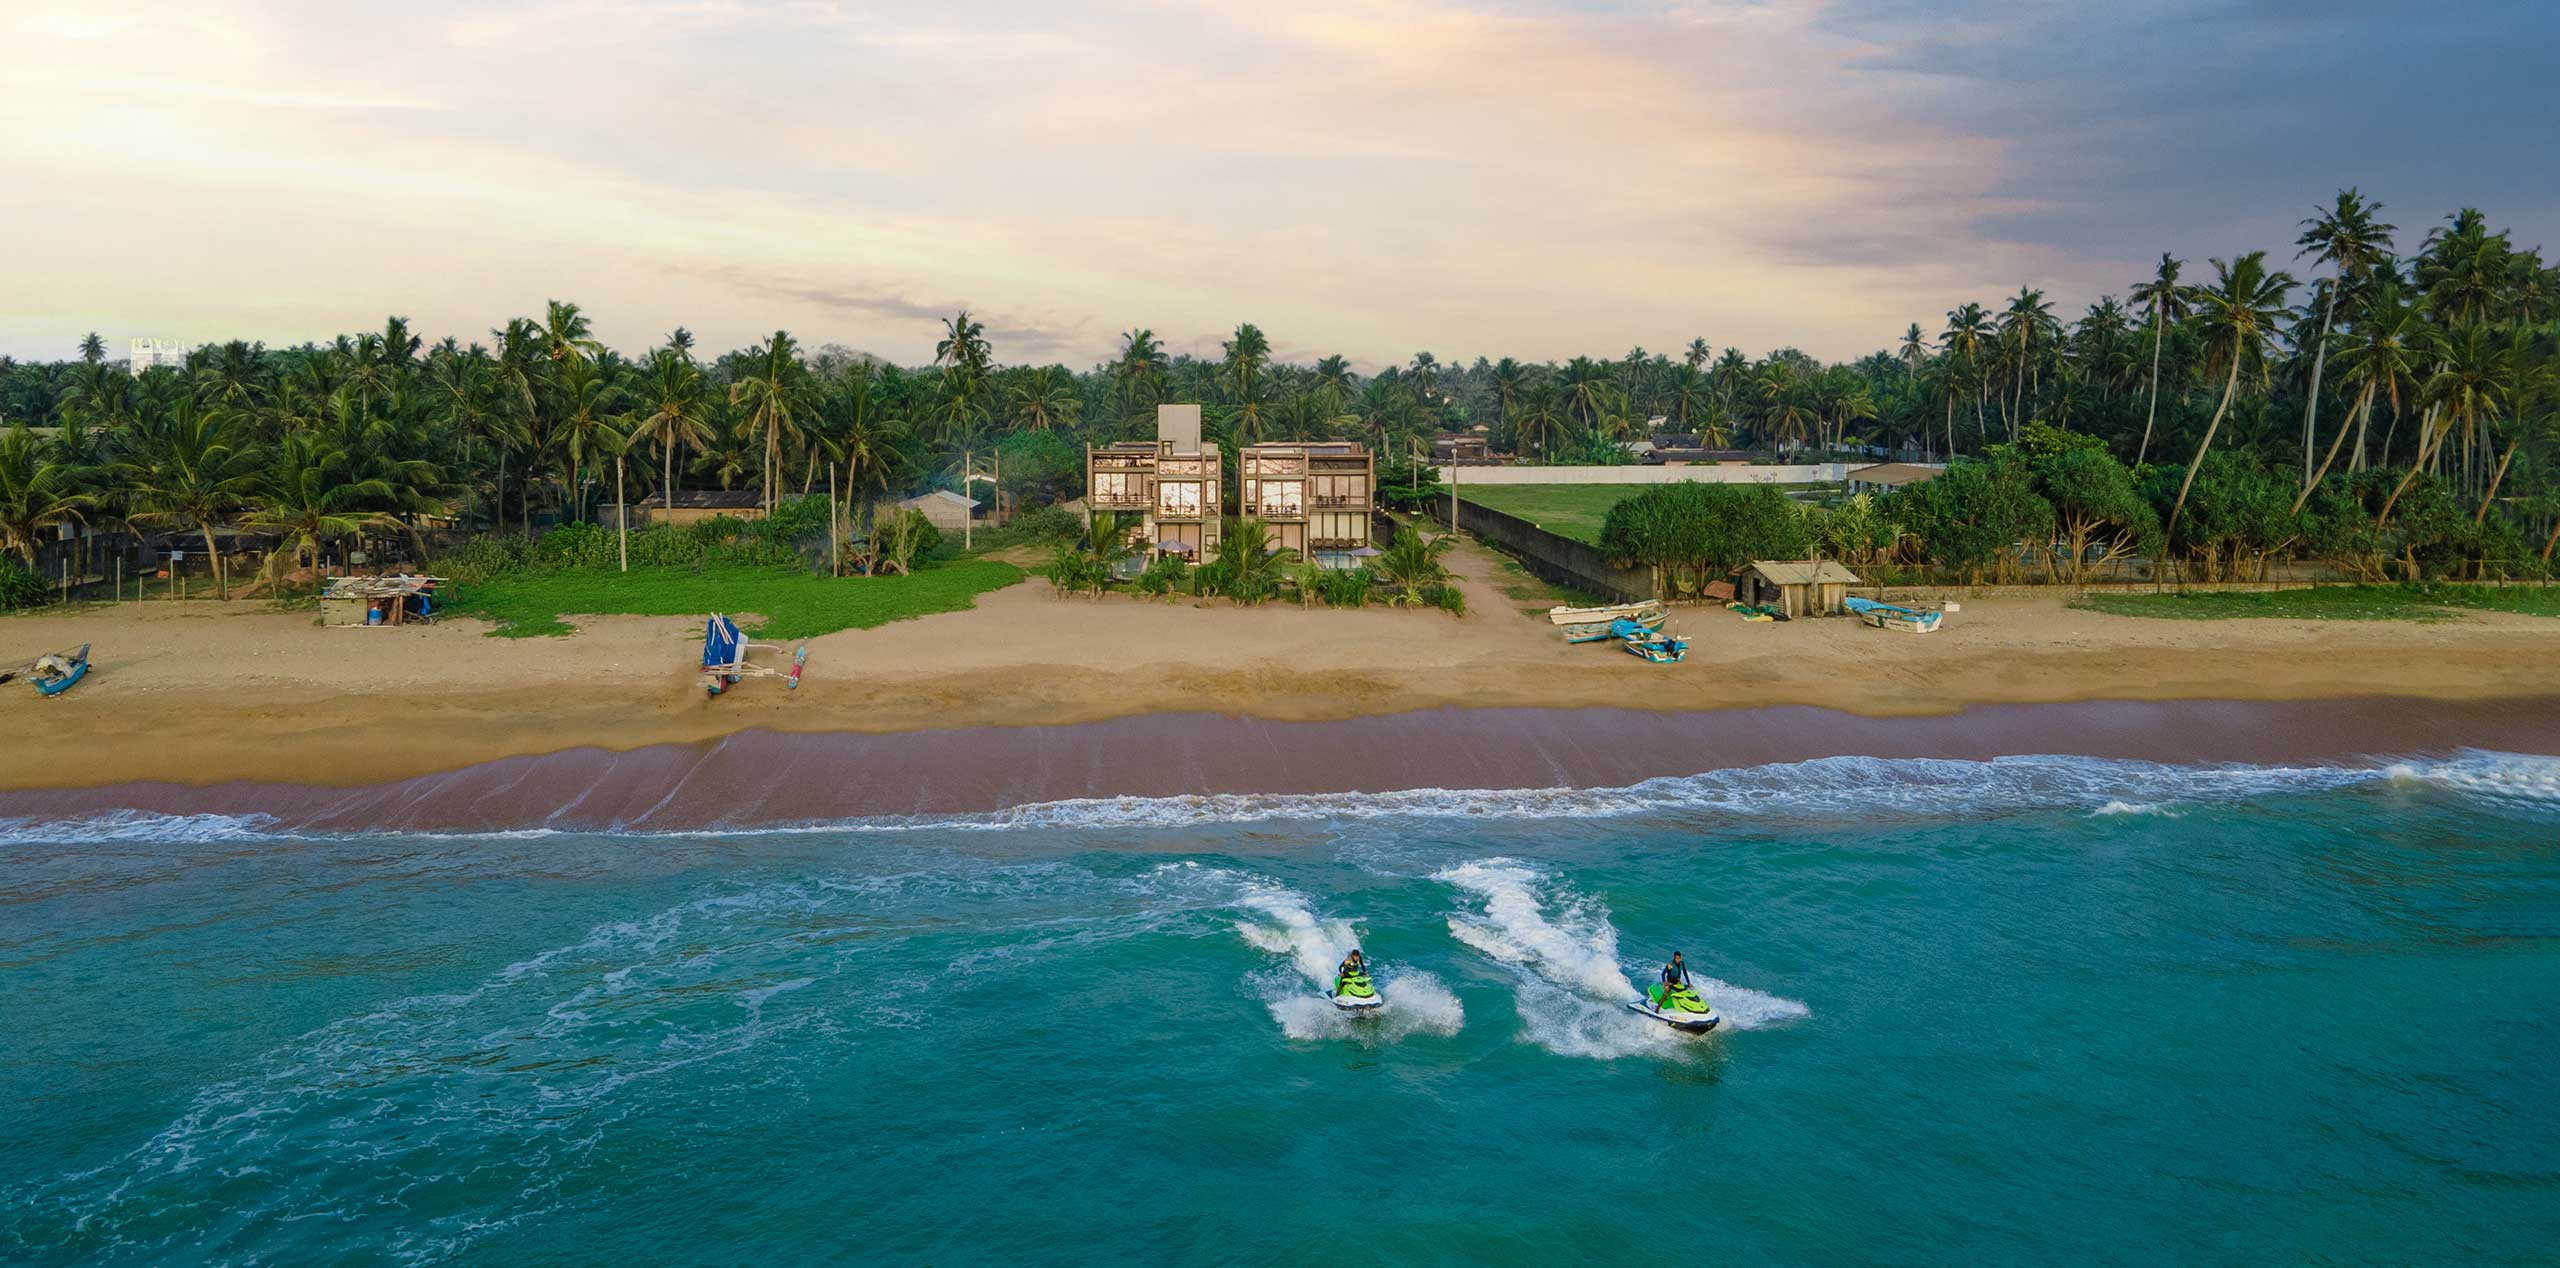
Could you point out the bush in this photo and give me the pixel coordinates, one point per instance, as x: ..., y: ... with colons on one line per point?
x: 576, y: 545
x: 1047, y: 524
x: 1162, y: 578
x: 21, y: 588
x: 1344, y: 587
x: 1448, y: 598
x: 1698, y: 532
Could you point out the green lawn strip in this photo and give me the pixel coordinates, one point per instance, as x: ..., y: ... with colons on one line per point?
x: 1568, y: 510
x: 2329, y: 603
x: 792, y: 602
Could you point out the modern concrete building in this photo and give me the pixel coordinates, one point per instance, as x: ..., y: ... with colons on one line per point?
x: 1172, y: 487
x: 155, y: 352
x: 1315, y: 495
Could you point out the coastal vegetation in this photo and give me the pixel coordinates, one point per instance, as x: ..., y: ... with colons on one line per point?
x: 2332, y: 603
x: 2387, y: 410
x: 1408, y: 573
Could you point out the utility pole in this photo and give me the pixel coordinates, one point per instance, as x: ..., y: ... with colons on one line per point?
x: 968, y: 474
x: 621, y: 513
x: 835, y: 532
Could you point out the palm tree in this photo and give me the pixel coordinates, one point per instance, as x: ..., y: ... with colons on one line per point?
x: 2027, y: 322
x: 773, y: 388
x: 2170, y: 302
x: 1138, y: 375
x: 2465, y: 391
x: 1541, y: 417
x: 1254, y: 564
x: 1585, y: 383
x: 587, y: 398
x: 37, y: 492
x: 1336, y: 380
x: 1915, y: 350
x: 1698, y: 353
x: 192, y: 472
x: 1968, y: 332
x: 308, y: 500
x: 2528, y: 388
x: 1043, y: 398
x: 2380, y: 361
x: 1241, y: 378
x: 2348, y: 238
x: 674, y: 410
x: 2240, y: 312
x: 566, y: 336
x: 93, y: 350
x: 1410, y: 565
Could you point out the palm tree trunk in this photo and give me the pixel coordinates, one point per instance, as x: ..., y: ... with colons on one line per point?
x: 2417, y: 464
x: 221, y: 584
x: 2364, y: 405
x: 2154, y: 412
x: 2491, y: 495
x: 2230, y: 386
x: 2311, y: 410
x: 667, y: 488
x: 2551, y: 541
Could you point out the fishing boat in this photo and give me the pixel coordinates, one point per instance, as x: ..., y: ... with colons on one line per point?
x: 724, y: 658
x: 1603, y: 631
x: 1601, y: 615
x: 1886, y: 616
x: 54, y: 672
x: 1661, y: 649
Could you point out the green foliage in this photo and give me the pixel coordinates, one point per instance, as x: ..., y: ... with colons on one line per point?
x: 2096, y: 505
x: 1047, y: 524
x: 1975, y: 518
x: 2331, y: 603
x: 1253, y: 569
x: 1447, y: 598
x: 21, y: 588
x: 2236, y: 511
x: 792, y: 602
x: 1696, y: 533
x: 1072, y: 570
x: 1163, y: 578
x: 1411, y: 566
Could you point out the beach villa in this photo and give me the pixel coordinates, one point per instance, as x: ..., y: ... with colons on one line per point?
x: 1171, y: 485
x: 1315, y: 496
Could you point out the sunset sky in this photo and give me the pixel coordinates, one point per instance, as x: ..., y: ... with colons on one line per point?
x: 1498, y: 177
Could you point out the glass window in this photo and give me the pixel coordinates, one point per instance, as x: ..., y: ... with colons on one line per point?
x: 1178, y: 498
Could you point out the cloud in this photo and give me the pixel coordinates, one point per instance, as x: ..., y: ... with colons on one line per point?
x: 1524, y: 177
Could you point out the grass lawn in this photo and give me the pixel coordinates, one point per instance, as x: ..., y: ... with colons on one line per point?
x: 2333, y: 603
x: 1567, y: 510
x: 793, y: 602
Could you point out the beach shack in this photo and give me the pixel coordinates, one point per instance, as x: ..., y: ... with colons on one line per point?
x: 1797, y: 587
x: 692, y: 506
x: 395, y: 600
x: 944, y: 509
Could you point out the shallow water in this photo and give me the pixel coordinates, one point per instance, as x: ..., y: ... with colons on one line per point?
x: 2015, y: 1012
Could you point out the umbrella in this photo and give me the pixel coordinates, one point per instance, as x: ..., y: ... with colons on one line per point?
x: 1367, y: 552
x: 1169, y: 544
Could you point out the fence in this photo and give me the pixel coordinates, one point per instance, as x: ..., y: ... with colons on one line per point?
x: 1561, y: 560
x: 1800, y: 473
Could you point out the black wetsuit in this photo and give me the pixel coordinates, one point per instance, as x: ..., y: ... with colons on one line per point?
x: 1674, y: 976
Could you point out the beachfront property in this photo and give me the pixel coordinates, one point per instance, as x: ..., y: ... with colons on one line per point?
x: 1173, y: 486
x: 1315, y: 495
x: 147, y: 353
x: 692, y: 506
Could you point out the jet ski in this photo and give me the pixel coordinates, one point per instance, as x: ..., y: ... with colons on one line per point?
x: 1680, y: 1008
x: 1354, y: 993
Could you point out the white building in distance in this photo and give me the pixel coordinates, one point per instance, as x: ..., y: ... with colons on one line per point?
x: 150, y: 352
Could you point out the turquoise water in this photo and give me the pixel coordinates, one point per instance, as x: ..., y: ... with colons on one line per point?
x: 2025, y: 1012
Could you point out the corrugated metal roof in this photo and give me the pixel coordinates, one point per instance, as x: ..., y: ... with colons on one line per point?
x: 1801, y: 572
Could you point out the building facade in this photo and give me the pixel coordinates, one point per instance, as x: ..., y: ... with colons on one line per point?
x: 155, y: 352
x: 1172, y: 487
x: 1315, y: 495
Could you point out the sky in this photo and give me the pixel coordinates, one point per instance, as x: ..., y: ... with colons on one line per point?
x: 1534, y: 178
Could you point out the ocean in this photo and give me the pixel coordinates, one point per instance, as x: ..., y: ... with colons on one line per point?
x: 2030, y: 1010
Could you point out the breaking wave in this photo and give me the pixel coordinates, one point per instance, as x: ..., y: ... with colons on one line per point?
x: 1279, y: 921
x: 1866, y: 788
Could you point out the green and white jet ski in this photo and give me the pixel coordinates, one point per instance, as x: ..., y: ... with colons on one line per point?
x: 1354, y: 993
x: 1681, y: 1008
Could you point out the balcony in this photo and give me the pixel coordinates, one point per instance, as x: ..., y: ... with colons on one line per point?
x: 1340, y: 502
x: 1118, y: 502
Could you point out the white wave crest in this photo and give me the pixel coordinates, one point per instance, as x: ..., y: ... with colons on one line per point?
x: 140, y: 825
x: 2515, y: 779
x: 1417, y: 1003
x: 2114, y: 808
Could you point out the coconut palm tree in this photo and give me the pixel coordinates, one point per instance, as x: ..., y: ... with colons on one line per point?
x: 1336, y: 380
x: 37, y: 492
x: 1043, y: 398
x: 773, y: 389
x: 1698, y: 353
x: 194, y: 470
x: 308, y: 499
x: 2240, y: 312
x: 567, y: 335
x: 2465, y: 392
x: 1410, y: 565
x: 588, y: 396
x: 2170, y: 302
x: 2026, y: 325
x: 2379, y: 362
x: 2348, y: 238
x: 2526, y: 396
x: 674, y: 412
x: 1138, y: 376
x: 1254, y: 564
x: 1969, y: 332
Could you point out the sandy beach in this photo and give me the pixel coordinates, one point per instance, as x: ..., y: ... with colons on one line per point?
x: 204, y: 693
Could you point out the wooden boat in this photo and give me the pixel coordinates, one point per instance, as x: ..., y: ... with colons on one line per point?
x: 1603, y: 631
x: 1886, y: 616
x: 724, y: 658
x: 1661, y: 649
x: 1600, y: 616
x: 55, y: 672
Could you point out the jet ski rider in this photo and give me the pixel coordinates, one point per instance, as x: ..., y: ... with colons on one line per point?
x: 1354, y: 963
x: 1675, y: 975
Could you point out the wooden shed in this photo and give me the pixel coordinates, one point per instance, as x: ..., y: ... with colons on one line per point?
x: 1799, y: 587
x: 377, y: 601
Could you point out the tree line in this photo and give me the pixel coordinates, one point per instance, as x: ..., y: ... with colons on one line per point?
x: 2434, y: 367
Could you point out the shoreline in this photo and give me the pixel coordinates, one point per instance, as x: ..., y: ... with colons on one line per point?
x: 763, y: 778
x: 204, y: 694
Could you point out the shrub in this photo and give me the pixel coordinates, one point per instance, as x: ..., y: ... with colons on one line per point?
x: 1448, y: 598
x: 575, y: 545
x: 1162, y: 578
x: 1344, y: 587
x: 1047, y: 524
x: 1697, y: 532
x: 21, y: 588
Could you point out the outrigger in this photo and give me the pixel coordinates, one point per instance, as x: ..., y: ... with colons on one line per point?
x: 54, y: 672
x: 724, y: 658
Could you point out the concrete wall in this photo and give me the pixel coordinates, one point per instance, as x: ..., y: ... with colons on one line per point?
x: 1805, y: 473
x: 1561, y: 560
x: 1181, y: 425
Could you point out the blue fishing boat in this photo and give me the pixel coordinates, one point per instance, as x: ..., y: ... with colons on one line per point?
x: 1886, y: 616
x: 1661, y: 649
x: 56, y: 672
x: 724, y: 658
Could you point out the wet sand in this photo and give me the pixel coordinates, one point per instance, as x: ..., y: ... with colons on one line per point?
x: 760, y: 778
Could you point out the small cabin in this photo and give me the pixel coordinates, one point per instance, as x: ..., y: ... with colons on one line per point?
x: 944, y: 509
x: 379, y: 601
x: 1800, y: 587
